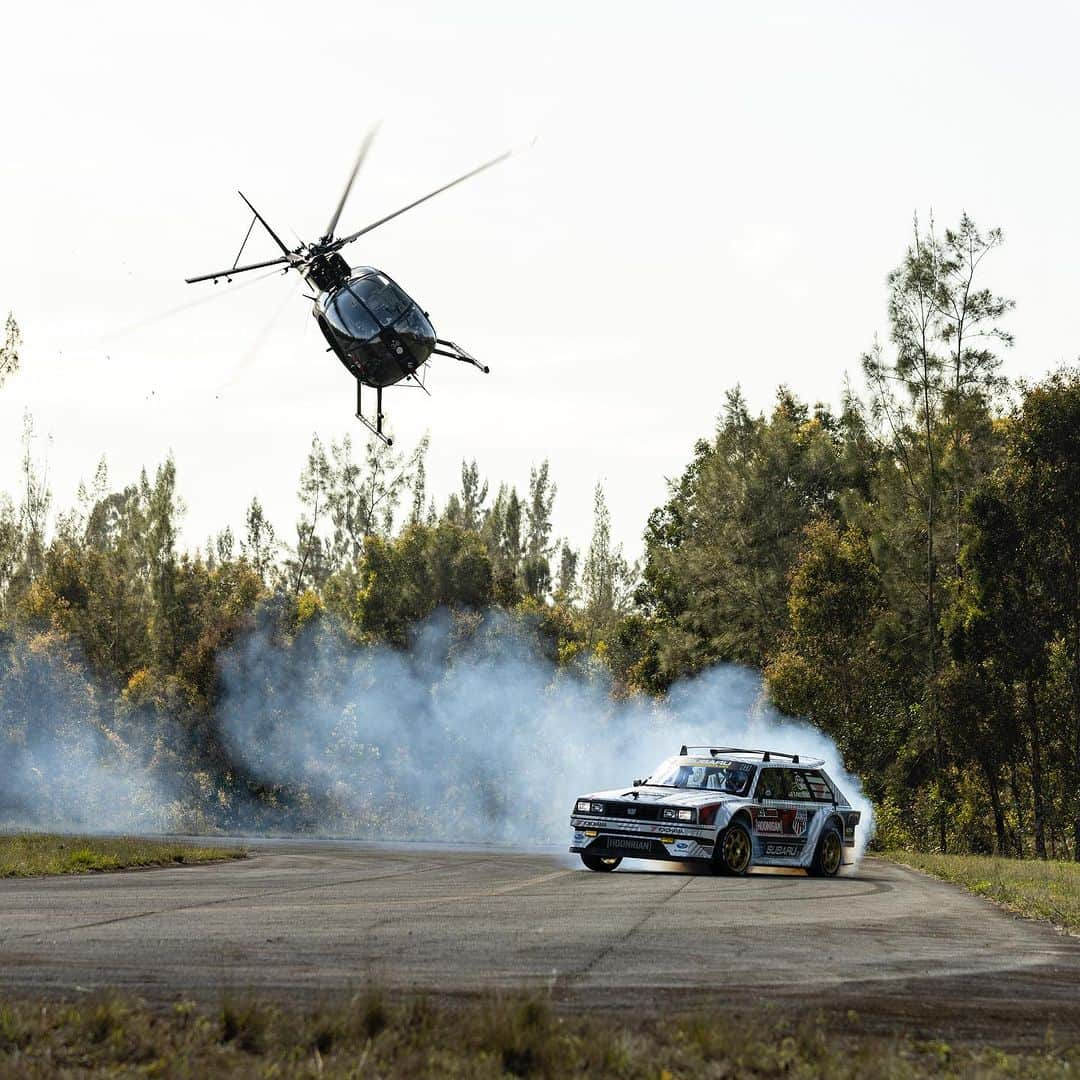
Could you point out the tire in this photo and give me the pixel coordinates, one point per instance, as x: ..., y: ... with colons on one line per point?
x: 829, y: 854
x: 734, y: 850
x: 602, y: 864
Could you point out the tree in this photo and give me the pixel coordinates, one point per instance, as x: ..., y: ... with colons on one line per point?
x: 566, y: 583
x: 163, y: 510
x: 970, y: 328
x: 9, y: 351
x: 1043, y: 458
x: 310, y: 561
x: 259, y: 544
x: 719, y: 552
x: 403, y: 580
x: 34, y: 508
x: 536, y: 569
x: 606, y: 577
x: 474, y: 494
x: 830, y: 669
x: 930, y: 394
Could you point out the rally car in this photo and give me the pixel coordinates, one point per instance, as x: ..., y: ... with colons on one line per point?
x: 723, y: 806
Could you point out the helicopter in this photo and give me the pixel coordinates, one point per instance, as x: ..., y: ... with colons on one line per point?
x: 377, y: 331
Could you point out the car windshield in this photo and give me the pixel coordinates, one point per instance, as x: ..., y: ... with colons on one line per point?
x: 732, y: 777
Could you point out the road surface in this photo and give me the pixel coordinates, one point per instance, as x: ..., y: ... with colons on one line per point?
x: 303, y: 919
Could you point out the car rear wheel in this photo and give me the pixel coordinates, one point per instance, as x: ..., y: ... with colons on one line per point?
x: 602, y: 864
x: 829, y: 855
x: 734, y: 850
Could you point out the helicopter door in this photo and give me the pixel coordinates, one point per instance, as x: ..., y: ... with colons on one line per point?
x: 416, y: 334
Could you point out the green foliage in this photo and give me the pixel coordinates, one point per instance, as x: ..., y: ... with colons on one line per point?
x: 401, y: 581
x: 718, y: 554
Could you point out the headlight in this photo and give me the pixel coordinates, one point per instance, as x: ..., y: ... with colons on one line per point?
x: 686, y: 815
x: 669, y: 813
x: 582, y: 806
x: 597, y: 807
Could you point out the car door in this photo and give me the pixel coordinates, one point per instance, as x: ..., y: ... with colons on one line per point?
x: 783, y: 816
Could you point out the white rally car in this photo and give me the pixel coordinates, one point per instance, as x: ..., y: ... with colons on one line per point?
x: 727, y: 807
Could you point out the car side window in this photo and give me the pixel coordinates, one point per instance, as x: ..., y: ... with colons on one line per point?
x: 819, y: 787
x: 788, y: 784
x: 799, y: 788
x: 770, y: 785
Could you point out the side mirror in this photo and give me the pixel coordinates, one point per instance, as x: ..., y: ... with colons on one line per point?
x: 638, y: 783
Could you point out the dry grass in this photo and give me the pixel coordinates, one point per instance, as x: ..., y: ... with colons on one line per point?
x: 36, y: 854
x: 510, y: 1037
x: 1034, y: 888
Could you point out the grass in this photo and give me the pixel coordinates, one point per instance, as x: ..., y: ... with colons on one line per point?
x: 36, y: 854
x: 1034, y: 888
x: 494, y: 1037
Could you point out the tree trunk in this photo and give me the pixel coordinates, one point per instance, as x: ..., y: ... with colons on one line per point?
x: 1018, y: 808
x: 931, y: 618
x: 994, y: 791
x: 1074, y: 574
x: 1038, y: 805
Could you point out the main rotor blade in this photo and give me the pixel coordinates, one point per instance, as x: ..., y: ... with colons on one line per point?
x: 438, y: 191
x: 364, y: 147
x: 204, y: 298
x: 235, y: 270
x: 277, y: 239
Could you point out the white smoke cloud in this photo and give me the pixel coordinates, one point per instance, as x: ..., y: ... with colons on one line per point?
x: 62, y: 766
x: 473, y: 734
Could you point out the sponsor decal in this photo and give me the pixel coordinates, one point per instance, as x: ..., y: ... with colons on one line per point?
x: 782, y: 821
x: 629, y: 842
x: 784, y: 851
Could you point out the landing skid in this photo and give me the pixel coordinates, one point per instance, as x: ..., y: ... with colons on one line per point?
x: 456, y: 352
x: 376, y: 428
x: 449, y: 348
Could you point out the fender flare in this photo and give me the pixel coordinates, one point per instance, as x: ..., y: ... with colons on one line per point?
x: 743, y: 814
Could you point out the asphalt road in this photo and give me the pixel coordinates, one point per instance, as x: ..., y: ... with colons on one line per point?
x: 299, y: 920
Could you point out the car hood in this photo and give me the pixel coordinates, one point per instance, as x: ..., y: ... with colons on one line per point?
x: 664, y: 796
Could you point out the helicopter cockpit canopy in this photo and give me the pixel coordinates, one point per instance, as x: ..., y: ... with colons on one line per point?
x: 375, y: 327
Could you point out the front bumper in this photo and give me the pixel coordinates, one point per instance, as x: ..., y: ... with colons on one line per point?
x: 642, y: 840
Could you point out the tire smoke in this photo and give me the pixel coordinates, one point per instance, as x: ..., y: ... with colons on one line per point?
x: 474, y: 734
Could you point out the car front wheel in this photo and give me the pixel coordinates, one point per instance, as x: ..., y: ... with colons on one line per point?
x: 734, y: 849
x: 602, y: 864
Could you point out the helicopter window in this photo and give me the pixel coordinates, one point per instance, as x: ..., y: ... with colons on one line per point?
x: 350, y: 317
x: 385, y: 300
x: 413, y: 324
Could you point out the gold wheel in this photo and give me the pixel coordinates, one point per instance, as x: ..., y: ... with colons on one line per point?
x: 831, y: 853
x: 736, y: 849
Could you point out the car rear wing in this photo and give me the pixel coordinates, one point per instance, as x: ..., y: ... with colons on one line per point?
x: 765, y: 755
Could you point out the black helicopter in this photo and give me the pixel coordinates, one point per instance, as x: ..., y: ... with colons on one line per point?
x: 375, y: 328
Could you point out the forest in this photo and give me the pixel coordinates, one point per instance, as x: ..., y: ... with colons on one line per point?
x: 902, y: 571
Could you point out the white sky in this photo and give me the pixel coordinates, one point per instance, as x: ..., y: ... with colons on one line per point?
x: 715, y: 196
